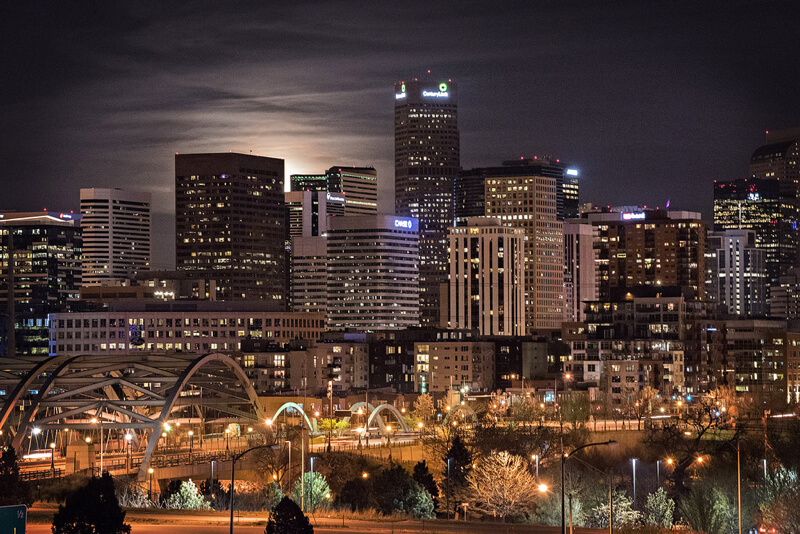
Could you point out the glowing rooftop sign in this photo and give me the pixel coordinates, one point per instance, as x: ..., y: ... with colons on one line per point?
x: 399, y: 96
x: 404, y: 223
x: 335, y: 198
x: 632, y: 216
x: 572, y: 172
x: 434, y: 94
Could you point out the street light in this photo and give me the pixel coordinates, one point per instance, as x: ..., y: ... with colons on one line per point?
x: 128, y: 438
x: 564, y: 458
x: 227, y: 439
x: 233, y: 475
x: 289, y: 478
x: 633, y: 460
x: 52, y: 456
x: 191, y: 443
x: 150, y: 493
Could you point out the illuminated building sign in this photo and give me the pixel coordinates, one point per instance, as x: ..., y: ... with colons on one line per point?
x: 572, y: 172
x: 434, y: 94
x: 404, y: 223
x: 632, y: 216
x: 399, y: 96
x: 335, y: 198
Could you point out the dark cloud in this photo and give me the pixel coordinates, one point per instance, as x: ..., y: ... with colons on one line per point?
x: 651, y: 100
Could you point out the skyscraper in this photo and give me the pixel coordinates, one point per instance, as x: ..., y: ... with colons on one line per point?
x: 231, y: 223
x: 427, y: 160
x: 580, y: 269
x: 44, y: 250
x: 358, y: 186
x: 739, y: 273
x: 523, y: 194
x: 116, y: 227
x: 373, y: 267
x: 487, y: 278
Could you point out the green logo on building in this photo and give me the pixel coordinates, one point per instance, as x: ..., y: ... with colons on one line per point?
x: 443, y: 87
x: 403, y: 88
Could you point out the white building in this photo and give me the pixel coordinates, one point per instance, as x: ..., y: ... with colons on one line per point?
x: 740, y: 273
x: 580, y: 269
x: 116, y: 228
x: 309, y: 274
x: 308, y: 211
x: 487, y: 278
x: 373, y: 272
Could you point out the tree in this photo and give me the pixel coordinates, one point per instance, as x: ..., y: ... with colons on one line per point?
x: 91, y: 508
x: 705, y: 509
x: 272, y: 495
x: 659, y: 509
x: 423, y: 408
x: 422, y: 476
x: 12, y: 489
x: 357, y: 494
x: 624, y: 514
x: 187, y: 498
x: 779, y: 500
x: 501, y: 485
x: 332, y: 425
x: 317, y: 492
x: 454, y: 483
x: 396, y: 491
x: 288, y: 519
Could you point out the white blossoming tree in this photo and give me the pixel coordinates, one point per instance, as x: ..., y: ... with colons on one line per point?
x: 501, y: 485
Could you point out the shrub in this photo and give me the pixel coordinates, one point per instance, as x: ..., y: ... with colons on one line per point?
x: 92, y: 508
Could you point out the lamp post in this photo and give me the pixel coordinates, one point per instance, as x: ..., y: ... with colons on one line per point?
x: 311, y: 484
x: 128, y: 438
x: 289, y: 469
x: 564, y: 458
x: 227, y: 439
x: 233, y: 475
x: 102, y: 440
x: 52, y: 458
x: 634, y: 482
x: 448, y: 488
x: 330, y: 413
x: 191, y: 444
x: 658, y: 473
x: 150, y: 493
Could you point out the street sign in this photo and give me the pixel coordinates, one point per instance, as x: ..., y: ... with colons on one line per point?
x: 13, y: 519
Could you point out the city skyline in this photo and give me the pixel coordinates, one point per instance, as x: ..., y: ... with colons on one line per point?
x: 650, y: 102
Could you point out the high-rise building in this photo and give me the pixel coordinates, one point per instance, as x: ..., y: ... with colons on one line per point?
x: 309, y: 276
x: 357, y: 185
x: 739, y: 273
x: 580, y: 269
x: 764, y: 206
x: 785, y: 297
x: 650, y: 248
x: 523, y: 195
x: 117, y: 232
x: 487, y: 278
x: 231, y: 223
x: 307, y: 211
x: 373, y: 269
x: 568, y: 199
x: 427, y: 160
x: 40, y: 273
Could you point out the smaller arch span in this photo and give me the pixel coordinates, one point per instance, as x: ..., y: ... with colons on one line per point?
x: 461, y: 408
x: 312, y: 427
x: 379, y: 420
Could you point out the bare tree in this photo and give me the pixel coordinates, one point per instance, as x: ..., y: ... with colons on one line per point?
x: 501, y: 485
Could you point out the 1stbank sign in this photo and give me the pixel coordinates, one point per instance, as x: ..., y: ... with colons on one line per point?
x: 633, y: 216
x: 13, y: 519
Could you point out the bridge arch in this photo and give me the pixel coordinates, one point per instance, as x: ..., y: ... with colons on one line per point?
x: 312, y: 427
x: 375, y: 415
x: 183, y: 380
x: 465, y: 410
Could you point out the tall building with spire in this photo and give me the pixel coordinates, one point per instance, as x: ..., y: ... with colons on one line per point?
x: 427, y: 160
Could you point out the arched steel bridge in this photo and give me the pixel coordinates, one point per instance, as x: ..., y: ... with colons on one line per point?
x: 138, y: 394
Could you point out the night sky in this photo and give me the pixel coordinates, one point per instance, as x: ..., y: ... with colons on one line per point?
x: 650, y: 100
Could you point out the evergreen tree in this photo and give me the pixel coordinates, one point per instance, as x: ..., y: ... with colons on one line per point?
x: 357, y: 494
x: 12, y: 490
x: 425, y: 479
x: 187, y: 497
x: 92, y: 508
x: 316, y: 489
x: 288, y: 519
x: 396, y: 491
x: 659, y: 509
x: 454, y: 484
x: 273, y: 495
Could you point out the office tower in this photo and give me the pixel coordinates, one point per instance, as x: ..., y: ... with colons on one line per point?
x: 656, y: 248
x: 373, y: 269
x: 580, y: 269
x: 522, y: 194
x: 231, y: 223
x: 357, y: 185
x: 427, y: 160
x: 785, y: 297
x: 116, y: 227
x: 739, y: 273
x: 568, y: 199
x: 40, y: 273
x: 487, y: 278
x: 307, y: 211
x: 469, y: 196
x: 309, y: 276
x: 766, y: 207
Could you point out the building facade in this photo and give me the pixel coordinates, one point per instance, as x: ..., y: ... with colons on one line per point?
x: 309, y: 274
x: 580, y: 269
x: 427, y: 160
x: 487, y: 278
x: 357, y: 186
x: 231, y: 224
x: 177, y: 326
x: 117, y: 232
x: 307, y: 212
x: 373, y: 269
x: 40, y: 273
x: 785, y: 297
x: 739, y: 273
x: 523, y: 195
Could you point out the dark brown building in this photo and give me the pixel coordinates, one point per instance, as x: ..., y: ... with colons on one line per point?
x: 231, y: 224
